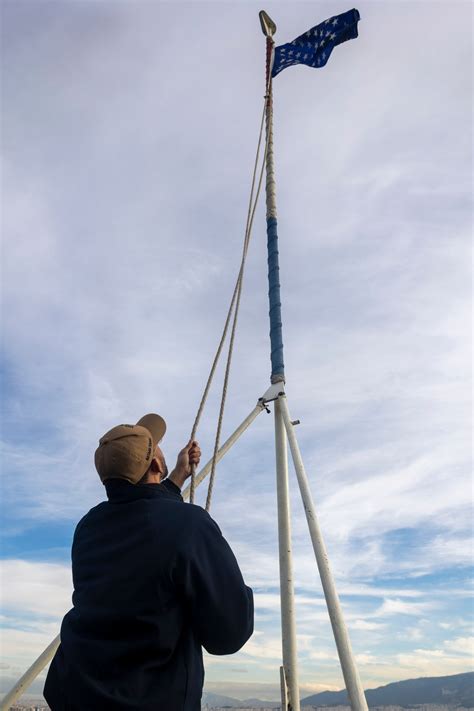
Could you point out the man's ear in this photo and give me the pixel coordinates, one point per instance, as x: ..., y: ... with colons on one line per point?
x: 155, y: 466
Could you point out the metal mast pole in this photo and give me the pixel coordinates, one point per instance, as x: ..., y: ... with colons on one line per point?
x: 289, y: 675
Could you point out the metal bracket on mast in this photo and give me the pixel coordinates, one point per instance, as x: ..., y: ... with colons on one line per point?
x: 273, y: 392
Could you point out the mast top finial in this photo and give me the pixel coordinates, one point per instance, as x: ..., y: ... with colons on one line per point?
x: 268, y: 26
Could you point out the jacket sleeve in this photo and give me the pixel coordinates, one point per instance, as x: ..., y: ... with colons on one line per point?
x: 220, y: 604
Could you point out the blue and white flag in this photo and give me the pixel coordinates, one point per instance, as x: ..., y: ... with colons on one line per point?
x: 315, y: 46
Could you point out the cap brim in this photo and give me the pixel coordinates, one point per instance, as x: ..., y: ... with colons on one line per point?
x: 155, y: 424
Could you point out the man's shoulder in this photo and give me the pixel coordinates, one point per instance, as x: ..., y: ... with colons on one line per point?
x: 199, y: 524
x: 192, y: 514
x: 191, y: 519
x: 91, y: 514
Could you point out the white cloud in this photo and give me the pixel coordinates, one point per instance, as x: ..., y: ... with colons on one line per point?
x: 366, y: 625
x: 40, y: 589
x: 400, y: 607
x: 365, y: 659
x: 262, y: 647
x: 461, y: 645
x: 414, y: 634
x: 323, y: 656
x: 432, y: 662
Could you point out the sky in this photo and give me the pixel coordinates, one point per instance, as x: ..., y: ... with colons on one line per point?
x: 129, y: 131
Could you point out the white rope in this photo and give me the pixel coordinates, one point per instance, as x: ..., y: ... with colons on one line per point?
x: 239, y: 284
x: 267, y: 112
x: 233, y: 309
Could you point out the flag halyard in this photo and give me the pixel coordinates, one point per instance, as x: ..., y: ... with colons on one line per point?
x: 314, y: 47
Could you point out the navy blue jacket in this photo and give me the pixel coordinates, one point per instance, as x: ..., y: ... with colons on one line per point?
x: 154, y: 580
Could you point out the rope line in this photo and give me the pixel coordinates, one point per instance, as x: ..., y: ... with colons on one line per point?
x: 234, y: 308
x: 232, y: 335
x: 229, y: 314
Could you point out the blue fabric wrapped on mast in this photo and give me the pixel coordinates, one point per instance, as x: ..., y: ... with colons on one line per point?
x: 276, y: 337
x: 314, y: 47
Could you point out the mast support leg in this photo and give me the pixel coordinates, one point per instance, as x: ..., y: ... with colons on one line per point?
x: 346, y: 657
x: 287, y: 595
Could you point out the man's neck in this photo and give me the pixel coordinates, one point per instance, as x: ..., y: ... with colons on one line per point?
x: 152, y: 478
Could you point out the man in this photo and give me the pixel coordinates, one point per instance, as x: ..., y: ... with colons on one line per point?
x: 154, y: 581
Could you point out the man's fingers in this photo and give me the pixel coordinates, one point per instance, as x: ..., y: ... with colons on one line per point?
x: 194, y: 453
x: 188, y: 448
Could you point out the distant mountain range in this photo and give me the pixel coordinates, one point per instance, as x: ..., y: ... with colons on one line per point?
x: 455, y: 690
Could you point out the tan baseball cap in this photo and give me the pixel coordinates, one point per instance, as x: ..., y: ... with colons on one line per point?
x: 126, y: 451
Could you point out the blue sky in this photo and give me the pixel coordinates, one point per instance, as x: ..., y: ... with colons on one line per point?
x: 129, y: 131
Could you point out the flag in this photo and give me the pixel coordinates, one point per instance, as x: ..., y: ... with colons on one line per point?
x: 315, y: 46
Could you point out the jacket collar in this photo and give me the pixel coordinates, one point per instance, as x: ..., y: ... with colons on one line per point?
x: 122, y: 490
